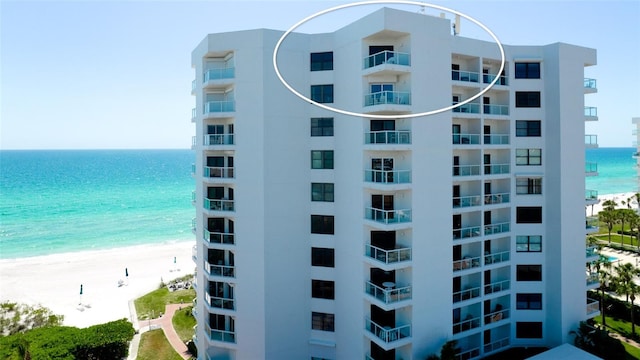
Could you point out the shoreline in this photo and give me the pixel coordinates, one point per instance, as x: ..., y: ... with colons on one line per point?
x: 54, y: 280
x: 593, y: 210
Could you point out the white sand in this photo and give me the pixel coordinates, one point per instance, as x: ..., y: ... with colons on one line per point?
x: 618, y: 198
x: 54, y: 280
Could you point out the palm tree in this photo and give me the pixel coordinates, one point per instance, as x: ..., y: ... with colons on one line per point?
x: 623, y: 215
x: 634, y: 223
x: 625, y: 274
x: 603, y: 268
x: 608, y: 217
x: 633, y: 290
x: 609, y: 205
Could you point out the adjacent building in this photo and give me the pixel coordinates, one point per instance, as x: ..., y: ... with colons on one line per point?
x: 327, y: 236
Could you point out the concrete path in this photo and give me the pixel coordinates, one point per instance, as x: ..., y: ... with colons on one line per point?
x: 164, y: 323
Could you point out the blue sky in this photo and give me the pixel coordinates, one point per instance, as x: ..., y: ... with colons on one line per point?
x: 117, y: 74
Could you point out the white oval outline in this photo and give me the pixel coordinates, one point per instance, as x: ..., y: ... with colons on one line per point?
x: 397, y: 116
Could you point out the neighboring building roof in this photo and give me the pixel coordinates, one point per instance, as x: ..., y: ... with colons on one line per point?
x: 565, y: 352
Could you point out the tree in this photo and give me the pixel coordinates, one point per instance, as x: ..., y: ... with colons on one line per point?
x: 624, y: 277
x: 633, y: 290
x: 603, y: 267
x: 634, y: 223
x: 623, y: 216
x: 608, y: 217
x: 449, y: 350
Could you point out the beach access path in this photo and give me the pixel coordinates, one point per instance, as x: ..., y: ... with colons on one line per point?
x: 165, y: 323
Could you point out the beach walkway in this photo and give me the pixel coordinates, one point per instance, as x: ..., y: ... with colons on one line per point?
x: 164, y: 323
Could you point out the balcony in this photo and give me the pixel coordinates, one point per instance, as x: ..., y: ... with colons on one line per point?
x: 465, y: 76
x: 193, y: 115
x: 497, y: 286
x: 466, y: 263
x: 469, y: 108
x: 219, y: 74
x: 496, y: 316
x: 219, y: 238
x: 591, y: 113
x: 593, y: 280
x: 492, y: 199
x: 194, y: 143
x: 387, y: 295
x: 388, y: 98
x: 496, y: 169
x: 591, y: 168
x: 467, y: 201
x: 466, y: 139
x: 591, y: 141
x: 496, y: 345
x: 221, y: 335
x: 466, y: 170
x: 468, y: 354
x: 496, y: 258
x: 221, y: 270
x: 219, y: 172
x: 469, y: 323
x: 219, y: 204
x: 593, y: 307
x: 466, y: 232
x: 590, y: 86
x: 591, y: 196
x: 219, y: 139
x: 488, y: 78
x: 495, y: 109
x: 220, y: 302
x: 392, y: 62
x: 214, y: 107
x: 194, y: 253
x: 388, y: 137
x: 388, y: 216
x: 592, y: 252
x: 193, y: 225
x: 386, y: 333
x: 388, y: 256
x: 496, y: 139
x: 388, y: 176
x: 497, y: 228
x: 466, y: 294
x: 592, y: 224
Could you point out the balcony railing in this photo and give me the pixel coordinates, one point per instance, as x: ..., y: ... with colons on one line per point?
x: 219, y: 204
x: 593, y: 306
x: 387, y: 57
x: 498, y: 344
x: 193, y: 113
x: 466, y: 294
x: 496, y: 287
x: 388, y: 216
x: 221, y: 73
x: 220, y: 302
x: 388, y: 256
x: 590, y: 83
x: 591, y: 140
x: 496, y: 258
x: 467, y: 201
x: 194, y: 142
x: 193, y: 169
x: 496, y: 316
x: 193, y: 85
x: 497, y: 228
x: 219, y: 139
x: 221, y: 270
x: 219, y: 237
x: 488, y: 78
x: 388, y: 98
x: 496, y: 139
x: 221, y: 335
x: 591, y: 251
x: 386, y: 333
x: 388, y: 137
x: 388, y: 176
x: 467, y: 76
x: 219, y: 172
x: 388, y: 296
x: 466, y: 170
x: 471, y: 108
x: 590, y: 111
x: 495, y: 109
x: 592, y: 223
x: 496, y: 169
x: 466, y: 139
x: 466, y: 263
x: 591, y: 167
x: 193, y: 225
x: 466, y: 232
x: 501, y: 198
x: 194, y: 253
x: 220, y: 106
x: 591, y: 195
x: 467, y: 324
x: 468, y: 354
x: 592, y: 278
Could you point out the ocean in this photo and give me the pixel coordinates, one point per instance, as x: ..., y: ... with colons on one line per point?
x: 71, y: 200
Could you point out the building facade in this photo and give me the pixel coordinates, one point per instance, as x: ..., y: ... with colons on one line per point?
x: 327, y: 236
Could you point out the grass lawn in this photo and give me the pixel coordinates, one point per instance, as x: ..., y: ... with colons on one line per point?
x: 624, y: 328
x: 155, y: 346
x: 154, y: 302
x: 183, y: 321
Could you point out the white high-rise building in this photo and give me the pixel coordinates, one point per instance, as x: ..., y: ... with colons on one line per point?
x: 327, y: 236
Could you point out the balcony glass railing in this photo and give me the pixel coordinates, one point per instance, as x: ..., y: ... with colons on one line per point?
x: 193, y: 113
x: 591, y: 140
x: 219, y: 139
x: 220, y: 106
x: 496, y: 258
x: 388, y: 216
x: 388, y: 137
x: 388, y: 176
x: 465, y: 139
x: 193, y: 225
x: 468, y: 354
x: 466, y: 201
x: 193, y: 196
x: 469, y: 323
x: 193, y: 85
x: 466, y: 170
x: 219, y: 172
x: 495, y: 109
x: 488, y: 78
x: 471, y: 108
x: 194, y: 142
x: 388, y: 98
x: 219, y: 237
x: 591, y: 195
x: 497, y: 228
x: 221, y: 270
x: 591, y: 167
x: 388, y: 296
x: 388, y: 256
x: 221, y: 335
x: 466, y: 294
x: 590, y: 83
x: 387, y: 57
x: 388, y: 334
x: 496, y: 345
x: 219, y: 204
x: 592, y: 251
x: 496, y: 139
x: 466, y: 232
x: 496, y: 287
x: 496, y: 316
x: 593, y: 306
x: 467, y: 76
x: 590, y: 111
x: 496, y: 169
x: 220, y: 302
x: 592, y: 278
x: 466, y: 263
x: 502, y: 198
x: 221, y: 73
x: 592, y: 223
x: 194, y: 252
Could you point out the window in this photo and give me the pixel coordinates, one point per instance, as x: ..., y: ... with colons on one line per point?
x: 322, y: 61
x: 529, y: 215
x: 528, y: 99
x: 527, y: 70
x: 529, y: 301
x: 321, y: 126
x: 322, y: 321
x: 529, y: 186
x: 529, y: 273
x: 528, y: 243
x: 528, y: 157
x: 322, y: 257
x: 322, y: 192
x: 322, y: 159
x: 528, y: 128
x: 322, y: 224
x: 528, y: 330
x: 322, y: 93
x: 322, y: 289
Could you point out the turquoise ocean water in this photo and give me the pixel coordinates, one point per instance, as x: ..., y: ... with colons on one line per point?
x: 65, y: 201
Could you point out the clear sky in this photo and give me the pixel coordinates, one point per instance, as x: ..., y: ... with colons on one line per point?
x: 117, y: 74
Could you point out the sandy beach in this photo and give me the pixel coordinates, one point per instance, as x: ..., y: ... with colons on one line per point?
x: 618, y: 198
x: 54, y: 280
